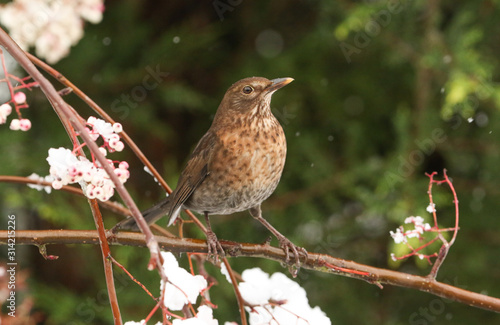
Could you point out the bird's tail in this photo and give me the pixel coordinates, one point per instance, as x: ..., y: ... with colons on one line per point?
x: 151, y: 215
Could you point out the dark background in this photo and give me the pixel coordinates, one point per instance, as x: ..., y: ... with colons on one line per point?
x: 384, y: 91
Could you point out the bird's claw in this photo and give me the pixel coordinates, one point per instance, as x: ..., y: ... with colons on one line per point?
x: 214, y: 247
x: 287, y: 246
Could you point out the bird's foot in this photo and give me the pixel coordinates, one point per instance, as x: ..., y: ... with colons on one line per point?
x: 287, y: 246
x: 214, y: 247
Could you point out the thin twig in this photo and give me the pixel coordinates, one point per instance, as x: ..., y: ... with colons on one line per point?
x: 108, y: 265
x: 455, y: 201
x: 239, y: 297
x: 112, y: 259
x: 443, y: 251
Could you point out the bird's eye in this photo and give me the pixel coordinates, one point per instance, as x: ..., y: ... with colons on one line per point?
x: 247, y: 90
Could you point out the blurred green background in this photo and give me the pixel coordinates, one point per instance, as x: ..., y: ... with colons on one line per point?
x: 384, y: 91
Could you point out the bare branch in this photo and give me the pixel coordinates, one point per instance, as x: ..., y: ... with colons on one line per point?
x: 317, y: 262
x: 239, y: 298
x: 108, y: 264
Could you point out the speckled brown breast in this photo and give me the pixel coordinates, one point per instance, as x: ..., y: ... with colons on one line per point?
x: 244, y: 169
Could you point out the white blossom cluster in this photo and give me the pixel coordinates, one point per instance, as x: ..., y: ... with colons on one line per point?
x: 39, y: 178
x: 181, y: 289
x: 5, y: 110
x: 419, y: 227
x: 66, y: 168
x: 51, y: 26
x: 22, y: 124
x: 277, y: 299
x: 109, y: 133
x: 431, y: 208
x: 203, y: 317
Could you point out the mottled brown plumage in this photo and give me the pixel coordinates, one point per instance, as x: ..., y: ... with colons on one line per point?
x: 236, y: 165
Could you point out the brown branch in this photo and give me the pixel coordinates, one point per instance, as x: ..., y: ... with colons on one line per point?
x: 239, y: 297
x: 108, y: 264
x: 317, y: 262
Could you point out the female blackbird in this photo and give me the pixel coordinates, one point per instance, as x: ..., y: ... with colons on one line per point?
x: 236, y: 165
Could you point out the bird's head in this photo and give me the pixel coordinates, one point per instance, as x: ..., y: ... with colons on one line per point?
x: 251, y: 96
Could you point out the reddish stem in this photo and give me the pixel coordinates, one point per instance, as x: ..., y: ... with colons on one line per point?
x: 443, y: 251
x: 239, y: 297
x: 108, y: 266
x: 131, y: 276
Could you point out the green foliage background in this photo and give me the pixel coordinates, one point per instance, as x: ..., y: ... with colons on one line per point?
x: 384, y: 91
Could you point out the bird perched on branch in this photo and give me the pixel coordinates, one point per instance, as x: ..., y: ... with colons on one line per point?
x: 236, y: 165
